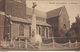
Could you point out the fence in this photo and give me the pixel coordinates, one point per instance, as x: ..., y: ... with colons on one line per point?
x: 68, y: 45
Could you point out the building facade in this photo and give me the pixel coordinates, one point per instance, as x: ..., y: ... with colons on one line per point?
x: 17, y: 26
x: 21, y: 30
x: 17, y: 23
x: 59, y: 20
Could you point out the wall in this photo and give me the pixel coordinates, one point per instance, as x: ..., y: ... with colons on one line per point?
x: 64, y: 23
x: 16, y: 8
x: 53, y: 21
x: 2, y: 17
x: 26, y: 30
x: 14, y: 30
x: 60, y: 24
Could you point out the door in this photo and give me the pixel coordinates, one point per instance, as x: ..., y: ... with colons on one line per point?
x: 22, y: 43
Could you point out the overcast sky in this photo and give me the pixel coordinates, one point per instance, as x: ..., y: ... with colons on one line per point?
x: 73, y: 7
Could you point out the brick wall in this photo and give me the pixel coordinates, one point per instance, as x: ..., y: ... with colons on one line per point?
x: 15, y: 8
x: 2, y: 19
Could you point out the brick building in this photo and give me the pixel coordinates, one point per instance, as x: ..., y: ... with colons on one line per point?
x: 59, y: 20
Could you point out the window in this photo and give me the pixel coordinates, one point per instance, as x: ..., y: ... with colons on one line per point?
x: 46, y: 32
x: 21, y: 30
x: 65, y: 26
x: 30, y: 31
x: 39, y: 31
x: 50, y: 32
x: 43, y: 31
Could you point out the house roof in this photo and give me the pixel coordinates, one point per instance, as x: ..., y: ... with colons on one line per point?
x: 37, y: 12
x: 28, y: 21
x: 52, y: 13
x: 43, y: 23
x: 55, y: 12
x: 20, y: 19
x: 17, y: 19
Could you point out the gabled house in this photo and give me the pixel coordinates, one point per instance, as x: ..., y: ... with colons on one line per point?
x: 59, y: 20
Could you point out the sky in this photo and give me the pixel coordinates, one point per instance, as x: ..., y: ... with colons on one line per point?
x: 73, y: 7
